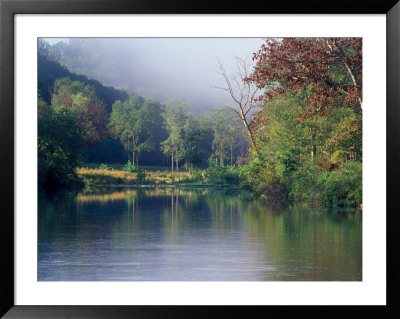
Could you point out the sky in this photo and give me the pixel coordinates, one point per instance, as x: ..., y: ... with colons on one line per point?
x: 167, y: 68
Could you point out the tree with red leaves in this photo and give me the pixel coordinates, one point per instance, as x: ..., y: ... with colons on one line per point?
x: 331, y: 68
x: 81, y: 101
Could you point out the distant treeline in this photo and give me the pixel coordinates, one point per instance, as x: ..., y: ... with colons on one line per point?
x: 81, y: 120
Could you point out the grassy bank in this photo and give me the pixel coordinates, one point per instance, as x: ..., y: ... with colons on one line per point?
x: 105, y: 175
x: 97, y: 176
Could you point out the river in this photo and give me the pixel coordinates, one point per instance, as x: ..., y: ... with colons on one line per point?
x: 199, y: 234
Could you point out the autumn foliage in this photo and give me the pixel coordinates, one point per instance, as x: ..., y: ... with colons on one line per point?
x: 81, y: 101
x: 331, y: 68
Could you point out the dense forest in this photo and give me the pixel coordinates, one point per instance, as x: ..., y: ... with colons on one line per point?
x: 293, y: 129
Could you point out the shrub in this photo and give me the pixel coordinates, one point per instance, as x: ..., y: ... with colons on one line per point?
x: 105, y: 167
x: 171, y: 177
x: 141, y: 175
x: 221, y: 174
x: 328, y: 187
x: 339, y: 156
x: 287, y: 163
x: 195, y: 177
x: 261, y: 178
x: 129, y: 167
x: 344, y: 184
x: 306, y: 183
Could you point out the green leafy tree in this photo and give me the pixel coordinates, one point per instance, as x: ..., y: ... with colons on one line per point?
x: 174, y: 118
x: 347, y: 137
x: 193, y: 134
x: 228, y: 135
x: 132, y: 121
x: 60, y: 144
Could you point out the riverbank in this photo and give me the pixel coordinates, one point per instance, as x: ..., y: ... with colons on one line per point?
x: 93, y: 177
x: 97, y: 176
x: 214, y: 176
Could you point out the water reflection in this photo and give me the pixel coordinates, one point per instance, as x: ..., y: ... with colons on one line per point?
x: 193, y: 234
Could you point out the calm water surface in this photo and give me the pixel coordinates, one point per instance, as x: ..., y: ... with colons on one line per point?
x: 169, y: 234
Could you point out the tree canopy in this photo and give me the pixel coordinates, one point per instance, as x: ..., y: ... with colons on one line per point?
x: 331, y: 68
x: 132, y: 121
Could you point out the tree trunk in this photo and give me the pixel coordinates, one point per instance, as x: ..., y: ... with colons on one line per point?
x: 348, y: 67
x: 313, y: 146
x: 249, y: 132
x: 177, y: 165
x: 313, y: 150
x: 133, y: 150
x: 231, y: 154
x: 172, y: 161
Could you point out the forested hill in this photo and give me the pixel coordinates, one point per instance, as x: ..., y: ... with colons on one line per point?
x: 49, y: 71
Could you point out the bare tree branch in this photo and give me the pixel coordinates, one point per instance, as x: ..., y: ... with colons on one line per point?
x: 243, y: 97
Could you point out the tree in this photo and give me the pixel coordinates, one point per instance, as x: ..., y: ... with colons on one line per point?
x: 192, y: 135
x: 131, y: 121
x: 174, y: 118
x: 52, y: 52
x: 60, y: 144
x: 346, y: 136
x: 228, y: 135
x: 330, y: 67
x: 84, y: 105
x: 243, y: 95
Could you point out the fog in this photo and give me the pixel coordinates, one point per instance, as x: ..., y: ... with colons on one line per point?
x: 162, y: 68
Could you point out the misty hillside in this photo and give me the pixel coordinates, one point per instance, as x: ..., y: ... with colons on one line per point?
x: 109, y: 150
x: 160, y: 69
x: 49, y: 71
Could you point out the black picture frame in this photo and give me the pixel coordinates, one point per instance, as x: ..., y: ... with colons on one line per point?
x: 8, y: 8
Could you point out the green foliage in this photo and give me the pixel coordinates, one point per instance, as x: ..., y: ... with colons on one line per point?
x: 105, y: 167
x: 328, y: 186
x: 219, y: 174
x: 229, y: 136
x: 261, y: 178
x: 174, y: 118
x: 141, y: 176
x: 193, y: 133
x: 306, y: 183
x: 59, y: 147
x: 49, y: 70
x: 195, y: 177
x: 344, y: 184
x: 129, y: 167
x: 287, y: 166
x: 287, y: 163
x: 84, y: 105
x: 186, y: 135
x: 75, y: 119
x: 133, y: 122
x: 339, y: 156
x: 346, y: 136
